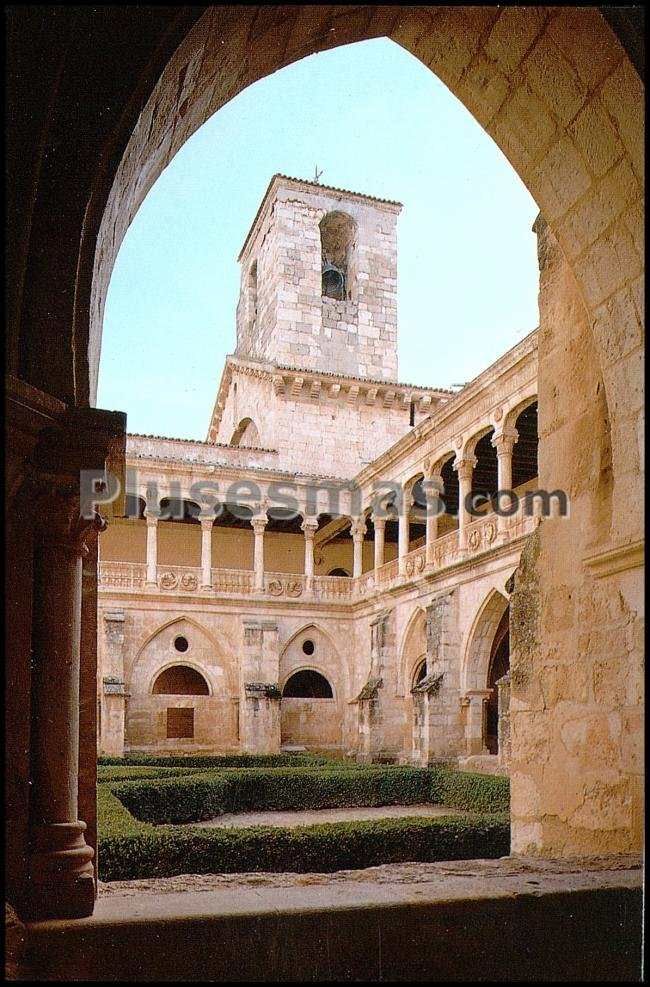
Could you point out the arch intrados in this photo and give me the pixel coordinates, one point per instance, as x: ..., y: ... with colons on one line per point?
x: 308, y: 668
x: 179, y: 664
x: 476, y: 656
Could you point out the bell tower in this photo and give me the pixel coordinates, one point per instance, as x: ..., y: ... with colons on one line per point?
x: 319, y: 281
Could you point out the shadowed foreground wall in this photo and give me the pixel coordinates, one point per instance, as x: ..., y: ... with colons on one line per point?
x: 576, y: 615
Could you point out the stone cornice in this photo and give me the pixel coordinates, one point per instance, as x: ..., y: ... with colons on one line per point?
x: 230, y: 471
x: 614, y: 560
x: 302, y: 382
x: 196, y: 442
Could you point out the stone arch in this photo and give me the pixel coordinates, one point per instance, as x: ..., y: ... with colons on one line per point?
x: 412, y: 649
x: 214, y: 717
x: 476, y: 658
x: 313, y: 723
x: 310, y: 625
x: 498, y: 667
x: 525, y: 453
x: 307, y: 668
x: 220, y: 647
x: 494, y: 60
x: 513, y: 411
x: 469, y: 447
x: 444, y: 466
x: 246, y: 435
x: 568, y: 142
x: 180, y: 665
x: 565, y: 141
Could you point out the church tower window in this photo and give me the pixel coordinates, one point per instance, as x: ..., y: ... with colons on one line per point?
x: 337, y: 236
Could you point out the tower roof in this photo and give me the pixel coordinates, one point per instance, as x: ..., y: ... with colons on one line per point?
x: 278, y: 180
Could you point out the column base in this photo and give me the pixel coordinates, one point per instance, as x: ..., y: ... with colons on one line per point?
x: 61, y: 874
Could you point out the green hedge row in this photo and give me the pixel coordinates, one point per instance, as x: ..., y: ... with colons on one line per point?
x: 202, y: 796
x: 205, y: 761
x: 469, y: 791
x: 108, y: 772
x: 169, y: 851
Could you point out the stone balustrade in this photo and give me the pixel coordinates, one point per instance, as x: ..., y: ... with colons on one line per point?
x: 122, y: 575
x: 481, y: 535
x: 334, y: 588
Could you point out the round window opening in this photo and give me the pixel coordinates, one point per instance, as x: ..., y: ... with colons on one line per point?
x: 181, y: 644
x: 308, y: 647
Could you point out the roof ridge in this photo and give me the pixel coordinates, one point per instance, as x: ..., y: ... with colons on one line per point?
x: 200, y: 442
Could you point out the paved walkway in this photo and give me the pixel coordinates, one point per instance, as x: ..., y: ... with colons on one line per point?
x: 312, y: 816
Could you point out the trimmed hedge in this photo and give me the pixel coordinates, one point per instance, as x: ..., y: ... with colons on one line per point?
x: 108, y: 772
x: 208, y: 794
x: 133, y: 848
x: 325, y: 848
x: 207, y: 761
x: 469, y: 791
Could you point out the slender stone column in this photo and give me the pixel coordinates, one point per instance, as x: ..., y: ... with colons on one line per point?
x: 61, y: 869
x: 259, y: 523
x: 379, y: 524
x: 206, y: 552
x: 152, y: 549
x: 310, y: 527
x: 465, y: 469
x: 358, y: 530
x: 403, y: 531
x: 504, y: 443
x: 434, y: 487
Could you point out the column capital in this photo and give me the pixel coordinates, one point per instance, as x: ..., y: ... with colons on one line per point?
x: 310, y: 526
x: 464, y: 466
x: 358, y: 528
x: 151, y: 518
x: 433, y: 481
x: 504, y: 440
x: 379, y: 522
x: 431, y: 469
x: 56, y: 504
x: 259, y: 523
x: 207, y: 520
x: 478, y: 694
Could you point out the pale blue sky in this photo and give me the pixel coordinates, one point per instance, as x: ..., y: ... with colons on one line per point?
x: 376, y: 121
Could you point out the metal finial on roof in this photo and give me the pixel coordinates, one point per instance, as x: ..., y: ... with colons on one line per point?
x: 317, y: 175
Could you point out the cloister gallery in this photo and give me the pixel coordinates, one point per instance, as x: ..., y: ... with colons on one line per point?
x: 423, y: 625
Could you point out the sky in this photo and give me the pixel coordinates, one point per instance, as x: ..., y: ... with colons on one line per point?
x: 374, y: 120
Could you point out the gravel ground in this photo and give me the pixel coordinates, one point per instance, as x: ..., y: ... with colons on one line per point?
x: 312, y: 816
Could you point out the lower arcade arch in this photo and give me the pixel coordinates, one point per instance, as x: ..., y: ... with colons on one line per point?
x: 313, y: 687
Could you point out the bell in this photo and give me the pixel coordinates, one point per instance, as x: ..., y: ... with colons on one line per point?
x: 333, y: 282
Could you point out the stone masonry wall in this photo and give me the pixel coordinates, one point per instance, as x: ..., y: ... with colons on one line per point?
x: 293, y: 325
x: 314, y: 433
x: 576, y: 617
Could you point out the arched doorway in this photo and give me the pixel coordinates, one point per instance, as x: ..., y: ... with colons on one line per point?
x: 499, y: 665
